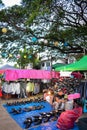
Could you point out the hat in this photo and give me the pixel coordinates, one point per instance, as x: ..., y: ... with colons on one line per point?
x: 73, y: 96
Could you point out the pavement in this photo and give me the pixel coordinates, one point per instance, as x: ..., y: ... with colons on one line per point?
x: 6, y: 122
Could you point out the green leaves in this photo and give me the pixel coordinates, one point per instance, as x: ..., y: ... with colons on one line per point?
x: 53, y: 20
x: 27, y: 56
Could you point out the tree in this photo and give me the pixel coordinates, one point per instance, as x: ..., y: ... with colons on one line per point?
x: 1, y: 2
x: 27, y: 56
x: 67, y: 20
x: 61, y: 21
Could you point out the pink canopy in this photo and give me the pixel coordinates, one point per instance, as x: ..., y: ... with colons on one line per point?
x: 14, y: 74
x: 30, y: 74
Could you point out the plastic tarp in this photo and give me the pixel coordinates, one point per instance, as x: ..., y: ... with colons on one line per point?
x: 20, y: 118
x: 80, y: 65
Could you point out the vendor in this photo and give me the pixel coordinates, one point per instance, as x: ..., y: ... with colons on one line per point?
x: 48, y: 95
x: 60, y: 94
x: 67, y: 118
x: 59, y: 100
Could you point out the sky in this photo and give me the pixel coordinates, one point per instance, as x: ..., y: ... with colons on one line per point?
x: 9, y: 3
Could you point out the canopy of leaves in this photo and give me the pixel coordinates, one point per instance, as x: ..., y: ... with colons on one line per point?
x: 62, y: 21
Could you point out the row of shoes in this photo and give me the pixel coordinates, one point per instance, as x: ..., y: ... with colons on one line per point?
x: 26, y: 109
x: 16, y: 103
x: 42, y: 118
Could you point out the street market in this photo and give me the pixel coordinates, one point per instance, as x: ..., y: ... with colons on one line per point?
x: 43, y: 65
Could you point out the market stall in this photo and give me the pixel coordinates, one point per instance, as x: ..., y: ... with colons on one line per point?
x: 80, y: 65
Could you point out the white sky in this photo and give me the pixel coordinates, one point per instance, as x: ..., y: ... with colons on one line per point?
x: 9, y: 3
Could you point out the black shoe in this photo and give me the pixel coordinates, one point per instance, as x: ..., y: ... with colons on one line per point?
x: 28, y: 125
x: 39, y: 121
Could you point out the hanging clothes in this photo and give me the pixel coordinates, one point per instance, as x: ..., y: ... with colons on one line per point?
x: 22, y: 89
x: 36, y: 88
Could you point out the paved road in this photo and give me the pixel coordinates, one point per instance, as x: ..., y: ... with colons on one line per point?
x: 6, y: 122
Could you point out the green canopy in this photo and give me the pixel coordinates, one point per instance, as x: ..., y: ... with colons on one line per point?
x: 58, y: 65
x: 80, y: 65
